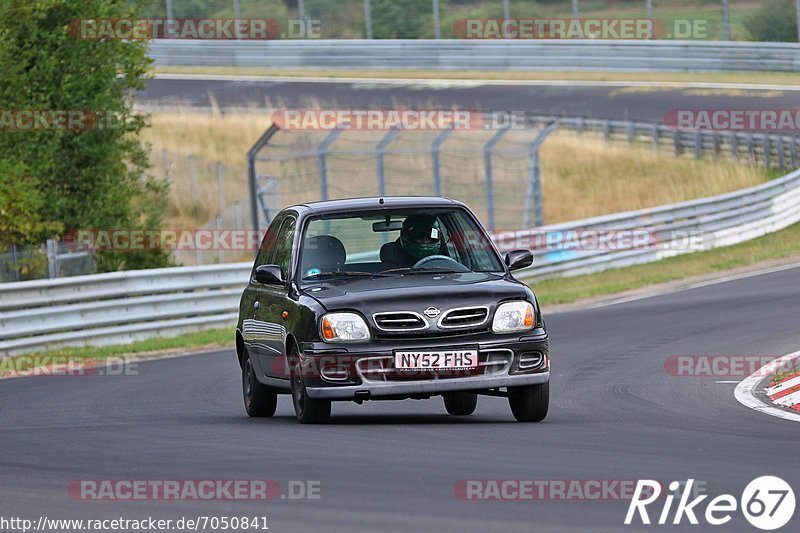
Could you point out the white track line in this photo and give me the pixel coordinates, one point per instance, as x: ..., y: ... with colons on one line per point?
x: 447, y: 82
x: 745, y: 393
x: 788, y: 384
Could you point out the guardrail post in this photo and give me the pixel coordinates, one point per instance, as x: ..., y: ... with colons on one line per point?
x: 794, y: 151
x: 631, y: 132
x: 436, y: 148
x: 676, y: 141
x: 656, y: 139
x: 751, y: 149
x: 579, y: 125
x: 767, y: 151
x: 715, y: 137
x: 698, y: 144
x: 607, y: 130
x: 380, y: 151
x: 781, y: 153
x: 487, y: 163
x: 734, y: 145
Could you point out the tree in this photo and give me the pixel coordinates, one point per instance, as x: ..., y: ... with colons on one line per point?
x: 92, y: 176
x: 776, y: 21
x: 401, y: 19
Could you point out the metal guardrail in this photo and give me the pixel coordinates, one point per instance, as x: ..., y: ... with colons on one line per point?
x: 118, y: 307
x: 582, y: 55
x: 125, y: 306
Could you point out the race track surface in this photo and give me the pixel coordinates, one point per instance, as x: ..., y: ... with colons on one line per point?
x: 612, y: 102
x: 616, y: 414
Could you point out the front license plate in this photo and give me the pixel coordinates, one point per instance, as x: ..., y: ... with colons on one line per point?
x: 444, y: 359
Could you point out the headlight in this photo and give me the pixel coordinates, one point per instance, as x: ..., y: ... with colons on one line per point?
x: 343, y: 327
x: 513, y: 316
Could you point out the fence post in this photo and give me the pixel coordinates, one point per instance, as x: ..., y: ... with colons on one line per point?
x: 380, y: 151
x: 781, y: 154
x: 252, y: 178
x: 607, y: 130
x: 221, y: 181
x: 715, y: 137
x: 534, y: 192
x: 631, y: 132
x: 52, y: 267
x: 237, y: 214
x: 193, y: 177
x: 15, y: 262
x: 751, y: 149
x: 735, y: 145
x: 487, y: 164
x: 435, y: 151
x: 767, y: 151
x: 322, y: 160
x: 165, y: 162
x: 793, y: 141
x: 676, y: 141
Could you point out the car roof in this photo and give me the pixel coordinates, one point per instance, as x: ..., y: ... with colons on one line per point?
x: 349, y: 205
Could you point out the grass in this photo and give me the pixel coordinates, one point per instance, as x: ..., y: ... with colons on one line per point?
x: 583, y: 176
x: 212, y: 338
x: 779, y: 245
x: 666, y: 78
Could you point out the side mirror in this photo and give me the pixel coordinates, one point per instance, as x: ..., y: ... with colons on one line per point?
x: 517, y: 259
x: 269, y: 275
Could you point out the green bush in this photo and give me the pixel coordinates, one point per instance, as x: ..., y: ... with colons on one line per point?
x: 59, y: 180
x: 775, y: 22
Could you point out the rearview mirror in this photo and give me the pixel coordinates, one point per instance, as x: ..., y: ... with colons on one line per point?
x: 392, y: 225
x: 517, y: 259
x: 269, y: 275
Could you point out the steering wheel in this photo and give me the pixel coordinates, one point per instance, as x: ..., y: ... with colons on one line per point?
x: 450, y: 263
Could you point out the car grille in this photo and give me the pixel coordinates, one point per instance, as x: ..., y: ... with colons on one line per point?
x: 400, y: 321
x: 464, y: 317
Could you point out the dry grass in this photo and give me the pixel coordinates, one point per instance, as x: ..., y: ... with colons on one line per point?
x: 582, y: 175
x: 666, y: 78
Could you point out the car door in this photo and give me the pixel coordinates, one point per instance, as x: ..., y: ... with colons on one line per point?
x: 269, y: 303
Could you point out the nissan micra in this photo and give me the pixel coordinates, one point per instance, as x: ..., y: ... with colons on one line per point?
x: 387, y: 299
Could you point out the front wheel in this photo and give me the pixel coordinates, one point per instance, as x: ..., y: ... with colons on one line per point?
x: 460, y: 403
x: 308, y: 410
x: 259, y: 399
x: 529, y: 403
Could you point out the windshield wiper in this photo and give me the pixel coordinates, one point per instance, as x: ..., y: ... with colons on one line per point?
x: 338, y: 274
x: 419, y: 270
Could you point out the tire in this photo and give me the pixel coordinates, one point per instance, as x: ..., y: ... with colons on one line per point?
x: 259, y: 399
x: 461, y: 403
x: 529, y: 403
x: 308, y: 410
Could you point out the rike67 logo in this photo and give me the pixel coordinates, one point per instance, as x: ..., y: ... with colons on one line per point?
x: 767, y: 502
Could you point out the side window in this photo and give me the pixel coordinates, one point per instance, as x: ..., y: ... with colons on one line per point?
x: 283, y: 246
x: 267, y: 248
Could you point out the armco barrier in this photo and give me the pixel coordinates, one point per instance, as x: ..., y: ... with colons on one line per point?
x: 124, y: 306
x: 578, y: 55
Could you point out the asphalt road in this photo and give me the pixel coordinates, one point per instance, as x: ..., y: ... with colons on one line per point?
x: 613, y: 102
x: 391, y: 466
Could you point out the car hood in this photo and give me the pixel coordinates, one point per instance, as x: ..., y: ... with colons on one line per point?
x: 415, y: 293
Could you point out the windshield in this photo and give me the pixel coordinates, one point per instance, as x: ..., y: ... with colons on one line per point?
x: 418, y: 242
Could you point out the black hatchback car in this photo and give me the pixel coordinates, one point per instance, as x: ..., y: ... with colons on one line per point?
x: 389, y: 298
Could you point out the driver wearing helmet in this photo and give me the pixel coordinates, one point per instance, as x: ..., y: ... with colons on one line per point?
x: 420, y: 237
